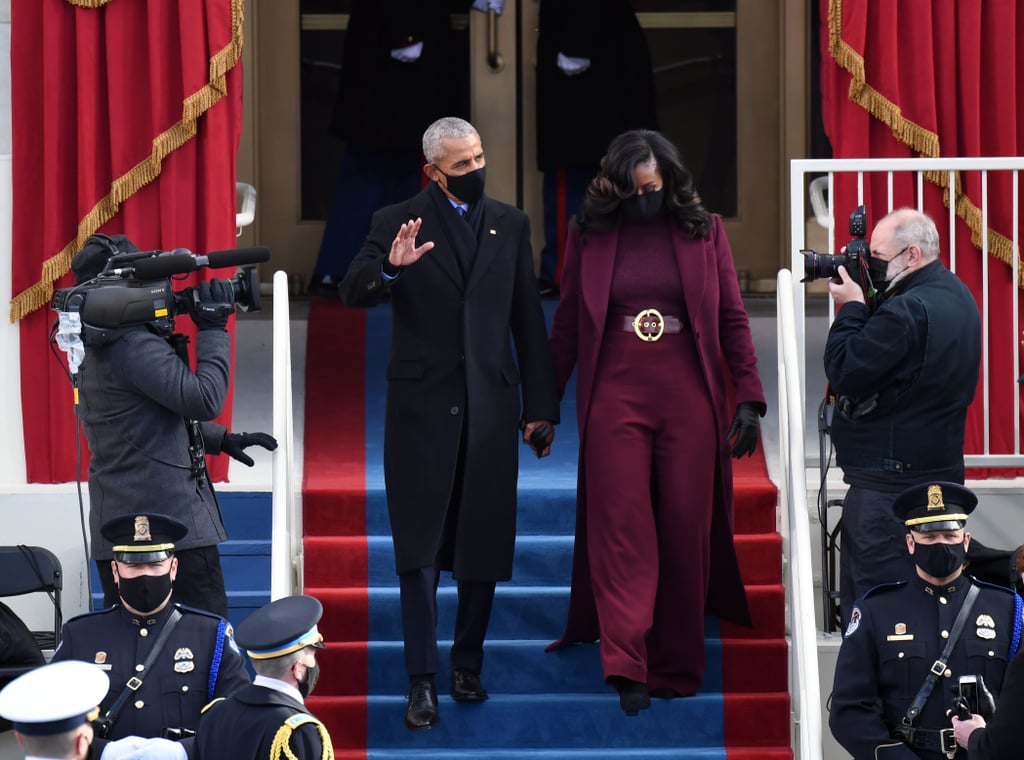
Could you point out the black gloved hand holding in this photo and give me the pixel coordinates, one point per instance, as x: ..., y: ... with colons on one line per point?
x: 212, y: 303
x: 234, y: 444
x: 744, y: 427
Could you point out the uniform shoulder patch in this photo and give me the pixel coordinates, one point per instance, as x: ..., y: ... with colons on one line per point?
x: 299, y: 719
x: 854, y: 623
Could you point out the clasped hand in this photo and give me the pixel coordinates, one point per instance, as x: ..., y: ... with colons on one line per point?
x: 404, y: 250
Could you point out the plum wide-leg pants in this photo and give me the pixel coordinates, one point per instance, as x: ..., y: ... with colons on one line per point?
x: 649, y: 459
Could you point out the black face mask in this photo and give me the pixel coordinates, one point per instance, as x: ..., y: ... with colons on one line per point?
x: 878, y: 269
x: 640, y: 207
x: 940, y: 560
x: 312, y: 676
x: 468, y: 188
x: 146, y: 592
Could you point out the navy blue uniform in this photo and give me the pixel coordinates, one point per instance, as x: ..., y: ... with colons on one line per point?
x: 256, y: 720
x: 199, y: 662
x: 896, y: 632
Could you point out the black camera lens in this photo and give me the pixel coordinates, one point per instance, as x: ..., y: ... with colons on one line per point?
x: 818, y: 265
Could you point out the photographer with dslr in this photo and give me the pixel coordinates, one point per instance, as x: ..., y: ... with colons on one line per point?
x: 904, y: 370
x: 911, y: 648
x: 146, y: 416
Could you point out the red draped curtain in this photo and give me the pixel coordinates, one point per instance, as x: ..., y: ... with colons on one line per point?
x: 909, y: 78
x: 126, y: 117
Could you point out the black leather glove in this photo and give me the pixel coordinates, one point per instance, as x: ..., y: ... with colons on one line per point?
x: 744, y: 427
x: 234, y: 444
x: 212, y: 303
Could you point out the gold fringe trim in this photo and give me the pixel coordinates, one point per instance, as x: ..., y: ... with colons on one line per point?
x: 88, y: 3
x: 917, y: 138
x: 140, y: 175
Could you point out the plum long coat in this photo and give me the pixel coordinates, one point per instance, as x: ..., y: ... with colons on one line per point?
x: 715, y: 313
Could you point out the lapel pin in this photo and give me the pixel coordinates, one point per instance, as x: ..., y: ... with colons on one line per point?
x: 493, y: 232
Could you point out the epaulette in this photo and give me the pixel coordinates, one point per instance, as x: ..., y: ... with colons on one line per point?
x: 993, y: 586
x: 197, y: 611
x: 94, y: 613
x: 881, y: 588
x: 279, y: 747
x: 208, y: 705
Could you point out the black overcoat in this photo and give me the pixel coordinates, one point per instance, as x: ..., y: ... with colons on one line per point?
x: 578, y: 115
x: 466, y: 355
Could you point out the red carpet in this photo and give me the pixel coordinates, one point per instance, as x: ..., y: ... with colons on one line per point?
x: 347, y: 567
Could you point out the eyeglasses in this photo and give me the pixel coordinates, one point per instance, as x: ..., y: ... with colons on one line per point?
x: 903, y: 250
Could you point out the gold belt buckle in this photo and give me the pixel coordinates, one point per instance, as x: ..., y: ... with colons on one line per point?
x: 649, y: 319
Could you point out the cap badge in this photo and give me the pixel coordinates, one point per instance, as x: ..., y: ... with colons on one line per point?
x: 935, y: 502
x: 142, y: 528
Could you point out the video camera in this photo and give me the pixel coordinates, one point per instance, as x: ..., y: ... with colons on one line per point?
x: 855, y: 258
x: 134, y: 289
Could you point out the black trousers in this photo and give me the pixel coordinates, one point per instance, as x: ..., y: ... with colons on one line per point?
x: 199, y: 583
x: 418, y: 591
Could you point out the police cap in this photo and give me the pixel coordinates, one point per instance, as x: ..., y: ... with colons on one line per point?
x: 142, y: 539
x: 53, y: 699
x: 281, y: 627
x: 935, y: 506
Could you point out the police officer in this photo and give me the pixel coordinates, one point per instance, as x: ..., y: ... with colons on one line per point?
x: 269, y: 719
x: 165, y: 661
x: 908, y: 643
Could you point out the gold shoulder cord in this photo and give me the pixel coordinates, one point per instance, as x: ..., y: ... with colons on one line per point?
x: 280, y: 747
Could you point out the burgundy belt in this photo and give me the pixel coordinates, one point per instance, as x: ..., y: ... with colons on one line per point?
x: 649, y: 325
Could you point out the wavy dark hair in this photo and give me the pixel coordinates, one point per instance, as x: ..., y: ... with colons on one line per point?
x: 602, y: 204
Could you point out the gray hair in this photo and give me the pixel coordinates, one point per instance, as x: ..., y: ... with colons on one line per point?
x: 916, y: 228
x: 445, y: 128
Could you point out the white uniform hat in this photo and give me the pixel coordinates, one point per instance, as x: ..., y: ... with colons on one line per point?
x: 52, y: 699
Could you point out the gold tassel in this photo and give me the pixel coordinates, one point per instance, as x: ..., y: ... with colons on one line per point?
x: 140, y: 175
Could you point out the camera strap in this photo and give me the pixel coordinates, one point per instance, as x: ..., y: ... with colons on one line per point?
x: 938, y: 667
x: 135, y: 682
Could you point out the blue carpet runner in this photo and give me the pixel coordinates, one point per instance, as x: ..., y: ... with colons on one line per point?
x: 542, y: 705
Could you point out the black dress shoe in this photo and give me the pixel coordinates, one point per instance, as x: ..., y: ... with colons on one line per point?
x: 633, y: 695
x: 421, y: 713
x: 466, y: 686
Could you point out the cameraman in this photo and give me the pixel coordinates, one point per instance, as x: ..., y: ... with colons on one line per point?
x: 904, y: 369
x: 139, y: 401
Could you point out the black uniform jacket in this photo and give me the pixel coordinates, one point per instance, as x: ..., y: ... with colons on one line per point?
x: 896, y: 632
x: 199, y: 662
x: 461, y: 345
x: 244, y: 727
x: 910, y: 368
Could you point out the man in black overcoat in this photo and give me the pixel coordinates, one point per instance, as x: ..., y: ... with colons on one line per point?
x: 469, y: 361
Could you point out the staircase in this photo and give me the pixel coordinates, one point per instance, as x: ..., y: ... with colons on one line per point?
x: 546, y: 705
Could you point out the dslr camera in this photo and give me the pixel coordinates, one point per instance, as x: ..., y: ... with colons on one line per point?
x: 134, y: 289
x: 855, y: 258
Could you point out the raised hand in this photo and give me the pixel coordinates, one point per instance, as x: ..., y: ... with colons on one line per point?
x: 404, y: 250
